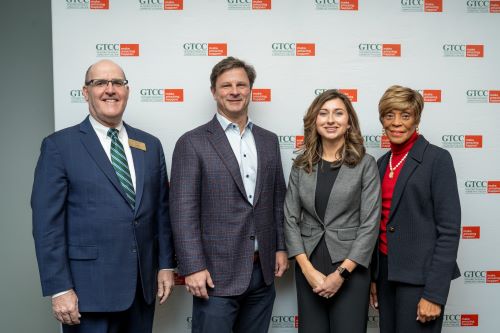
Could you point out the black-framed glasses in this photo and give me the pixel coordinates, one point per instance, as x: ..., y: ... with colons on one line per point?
x: 101, y: 83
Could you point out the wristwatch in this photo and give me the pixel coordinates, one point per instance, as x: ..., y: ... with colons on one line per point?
x: 344, y: 273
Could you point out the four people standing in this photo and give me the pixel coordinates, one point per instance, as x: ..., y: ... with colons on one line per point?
x: 332, y: 211
x: 420, y: 224
x: 104, y: 240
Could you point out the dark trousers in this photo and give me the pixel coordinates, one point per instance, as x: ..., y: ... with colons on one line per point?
x: 397, y: 304
x: 136, y: 319
x: 248, y: 312
x: 346, y: 311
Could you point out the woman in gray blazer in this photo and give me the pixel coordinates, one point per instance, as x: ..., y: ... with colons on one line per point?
x: 420, y: 224
x: 332, y: 211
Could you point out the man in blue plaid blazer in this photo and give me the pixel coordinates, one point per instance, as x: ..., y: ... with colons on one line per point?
x: 227, y: 193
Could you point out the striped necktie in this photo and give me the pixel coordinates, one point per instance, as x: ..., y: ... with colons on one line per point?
x: 120, y: 164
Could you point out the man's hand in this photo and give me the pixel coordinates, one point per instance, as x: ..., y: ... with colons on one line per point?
x: 65, y: 308
x: 427, y: 310
x: 196, y: 283
x: 281, y: 263
x: 165, y: 284
x: 373, y: 295
x: 330, y: 286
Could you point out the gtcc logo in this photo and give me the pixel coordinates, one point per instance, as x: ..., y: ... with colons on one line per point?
x: 483, y: 96
x: 336, y: 4
x: 161, y: 95
x: 293, y: 49
x: 462, y: 141
x: 204, y: 49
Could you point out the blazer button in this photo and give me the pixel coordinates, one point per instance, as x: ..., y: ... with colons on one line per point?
x: 252, y: 237
x: 392, y: 229
x: 136, y: 222
x: 134, y: 249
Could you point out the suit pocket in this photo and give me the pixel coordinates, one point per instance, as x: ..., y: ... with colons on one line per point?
x: 82, y: 252
x: 347, y: 234
x: 306, y: 230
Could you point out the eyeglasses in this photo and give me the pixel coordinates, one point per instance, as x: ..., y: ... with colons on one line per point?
x: 101, y: 83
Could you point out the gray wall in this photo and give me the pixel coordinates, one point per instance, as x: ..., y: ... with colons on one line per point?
x: 26, y: 116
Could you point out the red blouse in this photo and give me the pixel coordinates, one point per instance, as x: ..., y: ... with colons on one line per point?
x: 388, y: 185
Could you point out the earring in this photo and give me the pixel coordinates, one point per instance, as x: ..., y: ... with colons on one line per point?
x: 383, y: 131
x: 416, y: 129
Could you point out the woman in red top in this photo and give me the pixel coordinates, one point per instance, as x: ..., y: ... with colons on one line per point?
x: 415, y: 259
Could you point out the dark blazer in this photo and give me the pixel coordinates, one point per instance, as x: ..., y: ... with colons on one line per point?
x: 213, y: 223
x: 352, y: 217
x: 87, y: 237
x: 423, y: 230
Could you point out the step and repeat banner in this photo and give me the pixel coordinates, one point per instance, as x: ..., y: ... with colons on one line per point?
x: 449, y: 50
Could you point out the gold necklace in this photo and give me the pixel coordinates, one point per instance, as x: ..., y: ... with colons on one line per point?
x: 391, y: 173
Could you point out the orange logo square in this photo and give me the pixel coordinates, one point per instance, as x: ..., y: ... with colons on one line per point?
x: 129, y: 50
x: 173, y: 95
x: 493, y: 186
x: 351, y: 93
x: 473, y: 141
x: 261, y: 95
x: 348, y: 4
x: 433, y: 96
x: 99, y: 4
x: 494, y: 96
x: 471, y: 232
x: 384, y: 142
x: 391, y: 50
x: 474, y: 51
x: 261, y: 4
x: 494, y: 6
x: 493, y: 277
x: 296, y: 321
x: 433, y: 6
x: 178, y: 279
x: 469, y: 320
x: 305, y: 49
x: 217, y: 50
x: 173, y: 4
x: 299, y: 141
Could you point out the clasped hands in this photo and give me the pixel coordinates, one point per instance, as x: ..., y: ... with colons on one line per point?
x: 323, y: 285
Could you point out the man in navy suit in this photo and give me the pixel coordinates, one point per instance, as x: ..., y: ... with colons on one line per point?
x: 100, y: 216
x: 227, y: 195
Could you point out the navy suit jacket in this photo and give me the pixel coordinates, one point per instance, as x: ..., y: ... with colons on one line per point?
x: 213, y: 223
x: 87, y: 236
x: 423, y: 229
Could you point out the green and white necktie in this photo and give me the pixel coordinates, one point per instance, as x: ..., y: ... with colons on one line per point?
x: 120, y: 164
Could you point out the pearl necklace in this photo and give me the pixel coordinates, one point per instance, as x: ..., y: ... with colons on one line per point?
x: 391, y: 173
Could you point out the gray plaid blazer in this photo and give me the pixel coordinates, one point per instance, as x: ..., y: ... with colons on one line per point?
x: 214, y: 225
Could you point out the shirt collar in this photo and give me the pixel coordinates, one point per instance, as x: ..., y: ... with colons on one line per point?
x: 225, y: 123
x: 103, y: 130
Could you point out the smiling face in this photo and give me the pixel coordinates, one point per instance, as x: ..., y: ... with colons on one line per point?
x: 332, y: 121
x: 399, y: 125
x: 107, y: 103
x: 232, y: 93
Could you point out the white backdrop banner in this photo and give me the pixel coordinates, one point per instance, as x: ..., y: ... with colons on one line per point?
x: 449, y: 50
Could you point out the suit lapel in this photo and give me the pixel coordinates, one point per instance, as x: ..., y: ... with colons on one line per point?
x: 221, y: 145
x: 138, y: 157
x: 382, y: 165
x: 412, y: 162
x: 93, y: 145
x: 309, y: 186
x: 260, y: 146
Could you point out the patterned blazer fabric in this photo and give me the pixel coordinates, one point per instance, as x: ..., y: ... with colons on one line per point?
x: 214, y: 224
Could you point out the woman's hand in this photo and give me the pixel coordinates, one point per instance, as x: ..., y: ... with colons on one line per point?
x: 373, y: 295
x: 314, y: 277
x: 330, y: 286
x: 427, y: 310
